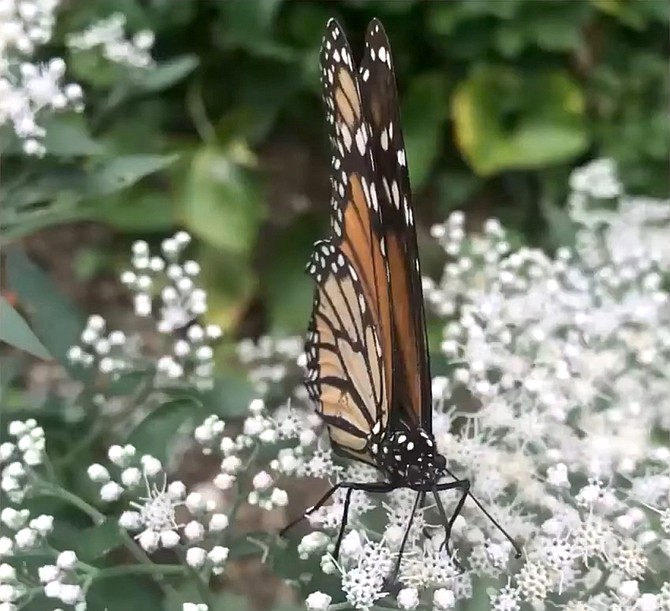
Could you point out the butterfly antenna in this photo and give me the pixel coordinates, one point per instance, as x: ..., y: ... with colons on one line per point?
x: 515, y: 545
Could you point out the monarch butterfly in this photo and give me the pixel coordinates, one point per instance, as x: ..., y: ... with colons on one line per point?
x: 368, y: 368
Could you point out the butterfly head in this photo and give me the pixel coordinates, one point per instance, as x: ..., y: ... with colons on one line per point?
x: 411, y: 456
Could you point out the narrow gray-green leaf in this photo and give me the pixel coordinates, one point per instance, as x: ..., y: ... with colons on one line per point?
x: 54, y: 319
x: 15, y: 331
x: 122, y: 172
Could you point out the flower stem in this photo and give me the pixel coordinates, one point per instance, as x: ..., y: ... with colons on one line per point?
x: 140, y: 569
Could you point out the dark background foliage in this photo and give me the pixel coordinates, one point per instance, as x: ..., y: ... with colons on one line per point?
x: 226, y: 136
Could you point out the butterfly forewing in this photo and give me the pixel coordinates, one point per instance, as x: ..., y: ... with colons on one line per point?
x: 356, y: 225
x: 345, y: 375
x: 411, y: 397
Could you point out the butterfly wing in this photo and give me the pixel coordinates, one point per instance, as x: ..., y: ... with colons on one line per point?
x: 357, y: 235
x: 411, y: 391
x: 345, y: 375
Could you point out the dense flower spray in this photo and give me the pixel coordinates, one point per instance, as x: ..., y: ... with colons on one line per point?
x: 554, y: 402
x: 30, y: 90
x: 555, y: 405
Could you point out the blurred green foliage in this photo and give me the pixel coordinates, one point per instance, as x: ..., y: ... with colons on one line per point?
x: 499, y: 100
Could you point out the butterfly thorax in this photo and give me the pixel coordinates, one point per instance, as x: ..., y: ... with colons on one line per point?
x: 409, y: 457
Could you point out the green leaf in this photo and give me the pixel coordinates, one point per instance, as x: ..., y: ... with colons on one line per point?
x: 625, y: 11
x: 68, y: 136
x: 14, y: 330
x: 425, y: 110
x: 11, y: 367
x: 250, y: 18
x: 506, y: 121
x: 562, y: 230
x: 248, y: 25
x: 123, y: 594
x: 231, y: 283
x: 155, y: 433
x: 136, y: 212
x: 121, y: 172
x: 221, y: 204
x: 287, y: 288
x: 230, y: 397
x: 54, y: 319
x: 166, y: 73
x: 96, y: 542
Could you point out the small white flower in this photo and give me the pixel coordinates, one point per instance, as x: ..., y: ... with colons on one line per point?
x: 195, y: 502
x: 6, y: 547
x: 52, y: 589
x: 557, y: 475
x: 279, y: 497
x: 194, y: 531
x: 177, y: 490
x: 149, y: 540
x: 152, y: 466
x: 66, y: 560
x: 7, y: 572
x: 17, y: 428
x: 262, y: 481
x: 408, y: 598
x: 48, y: 573
x: 8, y: 592
x: 318, y: 601
x: 224, y: 481
x: 70, y: 593
x: 218, y: 522
x: 218, y: 554
x: 231, y: 464
x: 26, y: 538
x: 131, y: 476
x: 169, y: 538
x: 352, y: 544
x: 118, y: 455
x: 195, y: 557
x: 98, y: 473
x: 312, y: 542
x: 130, y: 520
x: 14, y: 519
x: 629, y: 590
x: 110, y: 492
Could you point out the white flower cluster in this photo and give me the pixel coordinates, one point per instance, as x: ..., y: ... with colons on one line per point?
x: 268, y: 359
x: 556, y: 406
x: 154, y: 516
x: 109, y: 36
x: 28, y: 535
x: 188, y: 359
x: 29, y: 89
x: 238, y: 452
x: 19, y: 457
x: 57, y: 581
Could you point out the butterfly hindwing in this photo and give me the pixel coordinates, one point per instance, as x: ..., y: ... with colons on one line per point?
x: 411, y: 392
x: 345, y: 376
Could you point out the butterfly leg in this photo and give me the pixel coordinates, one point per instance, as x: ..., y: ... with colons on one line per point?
x: 366, y: 487
x: 515, y: 545
x: 419, y: 502
x: 312, y: 509
x: 464, y: 486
